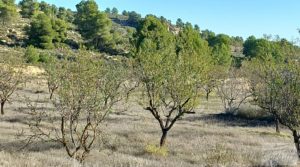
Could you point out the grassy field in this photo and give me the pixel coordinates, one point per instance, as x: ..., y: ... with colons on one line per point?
x: 131, y: 136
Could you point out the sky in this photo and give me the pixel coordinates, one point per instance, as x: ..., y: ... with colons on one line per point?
x: 232, y: 17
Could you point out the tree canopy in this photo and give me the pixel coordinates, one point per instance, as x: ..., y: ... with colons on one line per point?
x: 43, y: 32
x: 40, y: 32
x: 170, y: 77
x: 265, y: 49
x: 93, y: 25
x: 8, y: 11
x: 29, y: 8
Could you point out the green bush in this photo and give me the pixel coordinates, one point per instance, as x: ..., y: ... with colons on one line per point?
x: 44, y: 58
x: 156, y: 150
x: 31, y: 55
x: 249, y: 111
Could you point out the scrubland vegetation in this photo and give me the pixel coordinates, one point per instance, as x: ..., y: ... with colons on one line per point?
x: 99, y: 88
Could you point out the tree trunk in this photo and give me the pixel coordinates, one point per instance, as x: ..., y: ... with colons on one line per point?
x: 229, y: 107
x: 207, y: 95
x: 163, y: 138
x: 51, y: 95
x: 297, y: 143
x: 2, y: 107
x: 277, y: 125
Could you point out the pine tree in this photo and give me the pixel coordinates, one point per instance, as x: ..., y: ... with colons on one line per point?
x: 93, y: 25
x: 40, y: 33
x: 29, y: 8
x: 8, y: 11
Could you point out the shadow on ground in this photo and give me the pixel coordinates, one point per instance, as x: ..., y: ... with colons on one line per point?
x: 36, y: 146
x: 232, y: 120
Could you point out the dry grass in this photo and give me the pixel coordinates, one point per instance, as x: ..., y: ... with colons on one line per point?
x: 203, y: 139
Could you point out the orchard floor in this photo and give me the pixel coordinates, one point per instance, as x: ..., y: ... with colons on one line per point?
x: 207, y: 138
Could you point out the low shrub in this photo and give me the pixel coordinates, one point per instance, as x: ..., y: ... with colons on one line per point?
x: 220, y: 155
x: 156, y: 150
x: 44, y: 58
x: 249, y: 111
x: 31, y: 55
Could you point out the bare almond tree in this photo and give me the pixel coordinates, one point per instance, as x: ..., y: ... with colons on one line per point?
x: 212, y: 79
x: 233, y: 91
x: 53, y: 76
x: 88, y: 89
x: 11, y: 76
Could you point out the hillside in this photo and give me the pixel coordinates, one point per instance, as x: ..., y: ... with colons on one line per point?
x: 15, y: 34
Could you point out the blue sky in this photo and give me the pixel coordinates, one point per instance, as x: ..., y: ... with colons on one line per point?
x: 232, y: 17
